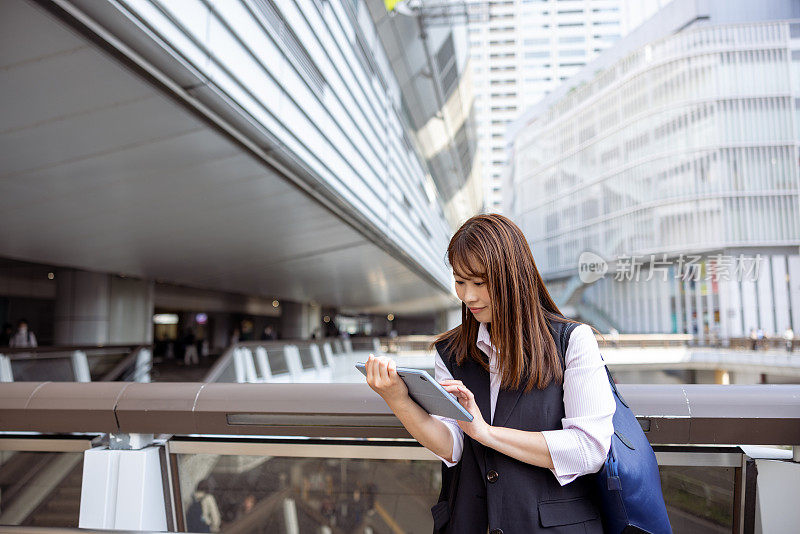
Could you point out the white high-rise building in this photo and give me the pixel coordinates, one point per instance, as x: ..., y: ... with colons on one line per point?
x: 673, y: 159
x: 526, y: 48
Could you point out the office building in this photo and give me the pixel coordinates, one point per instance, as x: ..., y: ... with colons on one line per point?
x: 677, y: 149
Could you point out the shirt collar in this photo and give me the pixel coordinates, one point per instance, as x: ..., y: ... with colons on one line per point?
x: 484, y: 341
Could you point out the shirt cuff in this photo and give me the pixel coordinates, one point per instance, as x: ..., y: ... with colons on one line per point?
x: 458, y: 443
x: 566, y: 454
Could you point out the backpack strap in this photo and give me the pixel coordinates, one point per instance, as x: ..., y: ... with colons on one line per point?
x: 563, y: 341
x: 566, y: 330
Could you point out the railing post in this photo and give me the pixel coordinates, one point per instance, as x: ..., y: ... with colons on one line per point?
x: 250, y: 375
x: 143, y: 365
x: 290, y: 517
x: 238, y: 365
x: 263, y: 363
x: 80, y: 366
x: 326, y: 348
x: 122, y: 485
x: 6, y: 374
x: 796, y: 453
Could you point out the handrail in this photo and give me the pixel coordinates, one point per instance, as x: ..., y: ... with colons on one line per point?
x: 126, y: 363
x: 226, y: 358
x: 670, y: 414
x: 9, y: 351
x: 607, y: 340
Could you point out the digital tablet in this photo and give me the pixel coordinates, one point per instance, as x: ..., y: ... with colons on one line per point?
x: 428, y: 393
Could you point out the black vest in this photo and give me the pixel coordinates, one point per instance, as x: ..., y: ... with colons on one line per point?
x: 489, y: 489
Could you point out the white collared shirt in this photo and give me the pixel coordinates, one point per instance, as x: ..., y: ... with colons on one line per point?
x: 582, y: 445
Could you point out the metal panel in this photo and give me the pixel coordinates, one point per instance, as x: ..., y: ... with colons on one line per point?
x: 142, y: 164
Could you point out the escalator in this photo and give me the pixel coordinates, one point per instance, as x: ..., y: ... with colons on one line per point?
x: 40, y: 488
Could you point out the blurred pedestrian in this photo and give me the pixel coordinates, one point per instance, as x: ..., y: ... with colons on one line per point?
x: 235, y: 336
x: 613, y: 336
x: 268, y: 334
x: 24, y: 336
x: 203, y: 515
x: 190, y: 348
x: 788, y: 337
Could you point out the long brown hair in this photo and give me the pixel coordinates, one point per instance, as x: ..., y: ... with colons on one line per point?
x: 493, y: 248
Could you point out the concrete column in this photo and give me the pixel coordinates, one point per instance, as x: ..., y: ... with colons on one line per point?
x: 766, y: 306
x: 780, y: 293
x: 733, y: 308
x: 749, y: 307
x: 722, y: 377
x: 299, y: 320
x: 794, y: 290
x: 676, y: 284
x: 97, y: 308
x: 710, y: 306
x: 687, y: 307
x: 698, y: 302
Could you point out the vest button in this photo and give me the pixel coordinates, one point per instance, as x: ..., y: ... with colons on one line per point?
x: 492, y: 477
x: 496, y: 531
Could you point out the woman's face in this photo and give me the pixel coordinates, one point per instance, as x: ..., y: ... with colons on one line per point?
x: 474, y: 292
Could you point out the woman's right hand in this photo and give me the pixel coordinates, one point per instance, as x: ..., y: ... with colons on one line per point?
x: 382, y: 377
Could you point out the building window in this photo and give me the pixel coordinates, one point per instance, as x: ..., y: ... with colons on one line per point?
x: 537, y: 54
x: 539, y: 41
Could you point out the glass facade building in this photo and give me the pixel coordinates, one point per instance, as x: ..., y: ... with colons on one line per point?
x: 670, y: 148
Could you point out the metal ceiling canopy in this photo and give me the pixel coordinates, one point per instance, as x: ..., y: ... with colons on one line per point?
x: 103, y: 171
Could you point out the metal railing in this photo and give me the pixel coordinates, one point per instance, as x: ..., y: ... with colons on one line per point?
x: 698, y: 433
x: 78, y: 363
x: 690, y: 414
x: 283, y: 360
x: 393, y: 345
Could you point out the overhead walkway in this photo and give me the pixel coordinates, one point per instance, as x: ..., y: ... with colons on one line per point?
x: 303, y: 361
x: 303, y: 458
x: 736, y: 363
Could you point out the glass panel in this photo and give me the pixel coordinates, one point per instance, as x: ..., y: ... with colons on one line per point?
x: 41, y: 370
x: 305, y: 358
x: 262, y: 494
x: 699, y: 499
x: 40, y: 488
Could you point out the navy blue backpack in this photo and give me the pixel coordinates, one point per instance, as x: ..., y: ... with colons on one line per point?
x: 629, y: 484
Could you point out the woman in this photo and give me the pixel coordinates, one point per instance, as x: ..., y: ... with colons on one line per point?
x: 540, y: 427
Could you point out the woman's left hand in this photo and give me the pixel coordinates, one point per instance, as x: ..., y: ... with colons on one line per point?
x: 478, y: 428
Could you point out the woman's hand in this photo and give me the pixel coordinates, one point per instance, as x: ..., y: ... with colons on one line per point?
x: 382, y: 377
x: 477, y: 429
